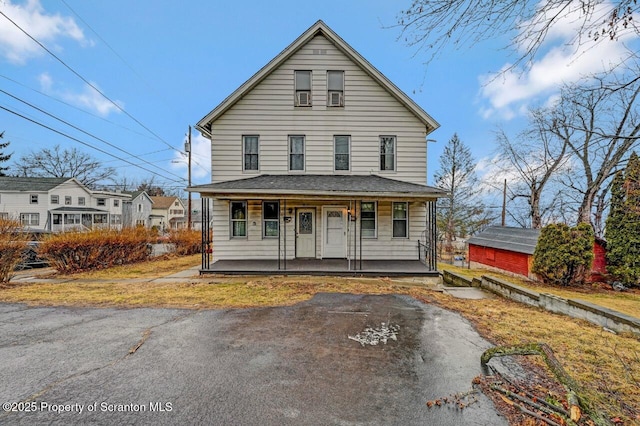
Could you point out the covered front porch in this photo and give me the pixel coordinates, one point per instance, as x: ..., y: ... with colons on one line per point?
x: 319, y: 224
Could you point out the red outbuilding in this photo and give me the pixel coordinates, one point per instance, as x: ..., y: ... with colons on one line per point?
x: 511, y: 250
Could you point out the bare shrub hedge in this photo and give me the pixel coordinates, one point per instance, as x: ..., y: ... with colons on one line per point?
x: 13, y: 244
x: 186, y: 241
x: 97, y: 249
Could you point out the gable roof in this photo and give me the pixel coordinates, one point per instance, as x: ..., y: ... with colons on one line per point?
x: 163, y: 202
x: 519, y: 240
x: 34, y: 184
x: 347, y: 186
x: 319, y: 28
x: 136, y: 194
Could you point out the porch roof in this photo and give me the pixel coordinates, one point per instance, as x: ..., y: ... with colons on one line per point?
x: 308, y: 185
x: 78, y: 210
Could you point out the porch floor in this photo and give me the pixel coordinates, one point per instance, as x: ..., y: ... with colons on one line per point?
x: 320, y: 267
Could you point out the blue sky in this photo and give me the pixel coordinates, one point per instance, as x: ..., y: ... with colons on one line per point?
x: 167, y: 64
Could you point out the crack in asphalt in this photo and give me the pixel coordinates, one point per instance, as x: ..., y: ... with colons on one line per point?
x: 145, y: 336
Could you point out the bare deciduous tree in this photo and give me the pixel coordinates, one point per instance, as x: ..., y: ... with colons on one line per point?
x: 431, y: 25
x: 535, y: 156
x: 66, y: 162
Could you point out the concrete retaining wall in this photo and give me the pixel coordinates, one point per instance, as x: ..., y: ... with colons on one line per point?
x: 575, y: 308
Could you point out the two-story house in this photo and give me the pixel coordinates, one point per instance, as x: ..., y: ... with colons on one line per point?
x: 168, y: 213
x: 319, y: 156
x: 58, y: 204
x: 137, y: 211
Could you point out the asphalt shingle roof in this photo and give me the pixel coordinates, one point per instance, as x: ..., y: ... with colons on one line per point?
x: 35, y: 184
x: 320, y: 184
x: 519, y: 240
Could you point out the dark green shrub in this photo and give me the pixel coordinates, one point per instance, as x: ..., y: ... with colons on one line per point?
x: 563, y: 255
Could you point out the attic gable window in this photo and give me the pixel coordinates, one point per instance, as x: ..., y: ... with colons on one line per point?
x: 303, y: 88
x: 335, y: 88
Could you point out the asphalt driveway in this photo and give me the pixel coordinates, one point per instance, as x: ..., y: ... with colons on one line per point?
x: 308, y: 364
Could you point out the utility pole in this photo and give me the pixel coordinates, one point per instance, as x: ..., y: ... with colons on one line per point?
x: 187, y: 148
x: 504, y: 202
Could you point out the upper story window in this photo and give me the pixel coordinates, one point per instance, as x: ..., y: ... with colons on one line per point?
x: 116, y: 203
x: 303, y: 88
x: 139, y: 208
x: 81, y: 201
x: 55, y: 199
x: 387, y: 152
x: 296, y: 152
x: 102, y: 202
x: 250, y: 149
x: 341, y: 153
x: 33, y: 198
x: 335, y: 88
x: 67, y: 200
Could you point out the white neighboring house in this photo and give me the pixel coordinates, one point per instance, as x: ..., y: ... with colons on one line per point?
x: 318, y: 155
x: 138, y: 210
x: 59, y: 204
x: 168, y: 213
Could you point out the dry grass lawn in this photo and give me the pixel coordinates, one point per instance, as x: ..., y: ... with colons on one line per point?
x: 608, y: 365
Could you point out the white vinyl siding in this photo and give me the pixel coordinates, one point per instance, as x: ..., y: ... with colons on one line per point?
x: 267, y: 110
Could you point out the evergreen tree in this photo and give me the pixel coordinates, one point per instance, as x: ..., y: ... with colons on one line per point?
x: 462, y: 212
x: 623, y: 225
x: 4, y: 157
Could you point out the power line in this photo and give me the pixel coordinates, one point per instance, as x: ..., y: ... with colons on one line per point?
x: 83, y: 131
x: 82, y: 142
x: 87, y: 82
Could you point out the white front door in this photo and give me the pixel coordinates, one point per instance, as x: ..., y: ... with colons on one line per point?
x: 335, y: 232
x: 305, y: 233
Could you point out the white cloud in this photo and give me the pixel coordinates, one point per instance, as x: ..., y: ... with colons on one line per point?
x: 16, y: 47
x: 88, y: 98
x: 564, y: 61
x: 200, y: 160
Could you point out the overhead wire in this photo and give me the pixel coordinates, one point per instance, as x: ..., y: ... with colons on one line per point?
x: 84, y: 132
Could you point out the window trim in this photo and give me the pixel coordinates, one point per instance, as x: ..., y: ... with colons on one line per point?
x: 348, y: 154
x: 67, y: 200
x: 232, y: 220
x: 244, y: 154
x: 375, y: 219
x: 406, y: 220
x: 55, y: 199
x: 340, y: 91
x: 296, y: 99
x: 264, y: 220
x: 81, y: 201
x: 30, y: 215
x: 101, y: 202
x: 395, y: 153
x: 304, y: 153
x: 33, y: 198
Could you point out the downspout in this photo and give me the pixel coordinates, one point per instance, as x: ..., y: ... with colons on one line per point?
x: 285, y: 238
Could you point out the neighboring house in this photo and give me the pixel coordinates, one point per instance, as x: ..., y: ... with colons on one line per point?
x: 318, y: 156
x: 168, y: 213
x: 59, y: 204
x: 511, y: 250
x: 138, y: 210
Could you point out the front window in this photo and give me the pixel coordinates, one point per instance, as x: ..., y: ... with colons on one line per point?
x: 100, y: 218
x: 341, y: 152
x: 387, y: 152
x: 303, y: 88
x: 57, y: 219
x: 296, y: 152
x: 400, y: 220
x: 335, y: 88
x: 102, y: 202
x: 238, y: 218
x: 368, y: 219
x: 33, y: 199
x: 72, y: 219
x: 55, y: 199
x: 250, y: 147
x: 270, y: 218
x: 30, y: 219
x: 67, y: 200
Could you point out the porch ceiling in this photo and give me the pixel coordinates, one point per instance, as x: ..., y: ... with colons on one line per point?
x: 331, y: 187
